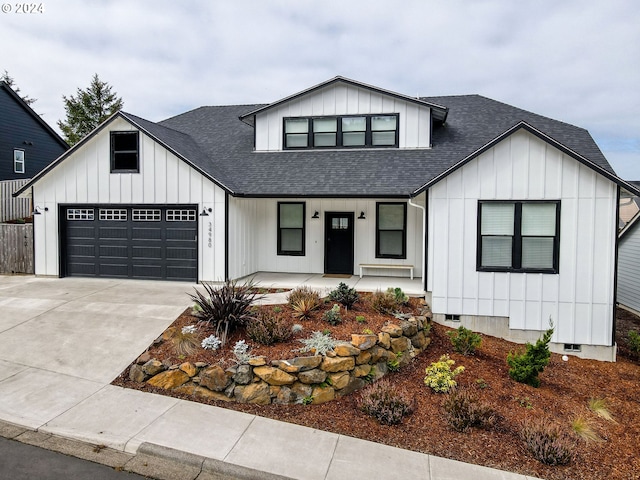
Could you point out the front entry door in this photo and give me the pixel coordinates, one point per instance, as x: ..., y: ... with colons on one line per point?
x: 338, y: 242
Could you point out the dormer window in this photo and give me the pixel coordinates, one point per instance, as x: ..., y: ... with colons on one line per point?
x: 352, y: 131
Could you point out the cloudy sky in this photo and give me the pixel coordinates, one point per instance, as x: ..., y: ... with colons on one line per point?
x: 572, y: 60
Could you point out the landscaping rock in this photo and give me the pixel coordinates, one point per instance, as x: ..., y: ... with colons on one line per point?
x: 364, y: 357
x: 300, y: 390
x: 214, y: 378
x: 189, y: 368
x: 400, y: 344
x: 393, y: 330
x: 274, y: 376
x: 339, y: 380
x: 186, y: 389
x: 322, y: 395
x: 257, y: 393
x: 338, y: 364
x: 136, y: 373
x: 363, y: 342
x: 353, y: 385
x: 201, y: 365
x: 169, y: 379
x: 409, y: 328
x: 285, y: 396
x: 153, y: 367
x: 312, y: 376
x: 206, y: 393
x: 346, y: 350
x: 420, y: 340
x: 257, y: 361
x: 384, y: 340
x: 243, y: 375
x: 144, y: 358
x: 361, y: 371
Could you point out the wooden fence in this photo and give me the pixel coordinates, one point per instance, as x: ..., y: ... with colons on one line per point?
x: 16, y: 248
x: 13, y: 208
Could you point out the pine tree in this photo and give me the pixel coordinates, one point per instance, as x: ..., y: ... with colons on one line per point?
x: 88, y: 109
x: 525, y: 367
x: 6, y: 78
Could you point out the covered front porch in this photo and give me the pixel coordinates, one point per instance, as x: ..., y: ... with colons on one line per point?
x: 326, y: 283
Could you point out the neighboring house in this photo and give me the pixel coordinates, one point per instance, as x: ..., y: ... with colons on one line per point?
x: 629, y: 205
x: 509, y: 218
x: 629, y: 266
x: 27, y: 145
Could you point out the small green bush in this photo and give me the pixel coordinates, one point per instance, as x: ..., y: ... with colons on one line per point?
x: 548, y: 443
x: 440, y: 377
x: 383, y: 302
x: 525, y: 367
x: 463, y: 410
x: 333, y: 316
x: 345, y: 295
x: 268, y: 328
x: 464, y: 341
x: 634, y: 342
x: 386, y: 403
x: 400, y: 297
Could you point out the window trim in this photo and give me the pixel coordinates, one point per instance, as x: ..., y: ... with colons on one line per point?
x: 113, y: 152
x: 297, y: 253
x: 16, y: 162
x: 516, y: 244
x: 368, y: 132
x: 403, y: 255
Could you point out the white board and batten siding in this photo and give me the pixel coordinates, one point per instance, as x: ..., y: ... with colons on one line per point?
x: 579, y: 299
x: 253, y: 234
x: 164, y: 179
x: 629, y: 268
x: 344, y: 99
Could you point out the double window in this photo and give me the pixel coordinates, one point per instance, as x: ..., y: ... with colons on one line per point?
x: 18, y: 161
x: 355, y: 131
x: 391, y: 230
x: 125, y: 152
x: 518, y: 236
x: 291, y: 228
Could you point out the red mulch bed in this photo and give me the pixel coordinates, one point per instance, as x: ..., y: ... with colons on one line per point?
x: 566, y: 388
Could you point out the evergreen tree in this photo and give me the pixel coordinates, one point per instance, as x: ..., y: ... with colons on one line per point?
x: 88, y: 109
x: 6, y: 78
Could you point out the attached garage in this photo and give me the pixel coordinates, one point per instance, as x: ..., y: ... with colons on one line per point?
x: 130, y: 241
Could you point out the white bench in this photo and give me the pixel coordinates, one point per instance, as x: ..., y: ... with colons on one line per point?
x: 378, y: 265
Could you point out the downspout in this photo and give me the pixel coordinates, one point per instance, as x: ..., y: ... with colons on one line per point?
x: 424, y: 237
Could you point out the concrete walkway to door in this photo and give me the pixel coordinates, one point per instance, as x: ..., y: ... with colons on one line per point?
x: 62, y: 341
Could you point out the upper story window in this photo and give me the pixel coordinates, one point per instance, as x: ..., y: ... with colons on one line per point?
x: 125, y: 156
x: 518, y: 236
x: 18, y: 161
x: 352, y: 131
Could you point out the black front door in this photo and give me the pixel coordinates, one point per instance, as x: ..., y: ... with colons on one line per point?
x: 338, y: 242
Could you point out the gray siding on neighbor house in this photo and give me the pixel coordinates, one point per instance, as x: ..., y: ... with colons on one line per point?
x: 629, y: 268
x: 21, y: 129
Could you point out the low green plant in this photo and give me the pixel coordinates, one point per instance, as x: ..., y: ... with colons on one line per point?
x: 525, y: 367
x: 268, y: 328
x: 345, y: 295
x: 400, y: 297
x: 385, y: 402
x: 464, y: 341
x: 319, y: 342
x: 633, y: 339
x: 333, y: 316
x: 547, y: 442
x: 308, y: 400
x: 370, y: 377
x: 394, y: 364
x: 481, y: 383
x: 277, y: 309
x: 600, y: 408
x: 296, y: 328
x: 464, y: 410
x: 361, y: 319
x: 525, y: 402
x: 367, y: 331
x: 583, y: 429
x: 439, y: 376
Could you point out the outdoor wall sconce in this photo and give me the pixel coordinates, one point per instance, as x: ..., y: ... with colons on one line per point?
x: 362, y: 217
x: 37, y: 210
x: 204, y: 212
x: 316, y: 215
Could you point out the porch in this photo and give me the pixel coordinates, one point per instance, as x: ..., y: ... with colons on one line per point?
x: 326, y: 283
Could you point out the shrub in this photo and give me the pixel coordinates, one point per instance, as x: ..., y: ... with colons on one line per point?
x: 268, y: 328
x: 634, y: 342
x: 463, y: 410
x: 303, y: 307
x: 319, y: 342
x: 548, y: 443
x: 525, y: 367
x: 226, y: 307
x: 345, y: 295
x: 440, y: 377
x: 400, y: 297
x: 333, y: 316
x: 383, y: 302
x: 303, y: 293
x: 386, y: 403
x: 184, y: 342
x: 464, y: 341
x: 211, y: 343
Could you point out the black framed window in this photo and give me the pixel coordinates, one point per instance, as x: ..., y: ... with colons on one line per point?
x: 291, y: 224
x: 125, y: 152
x: 391, y: 230
x: 343, y: 131
x: 18, y: 161
x: 520, y: 236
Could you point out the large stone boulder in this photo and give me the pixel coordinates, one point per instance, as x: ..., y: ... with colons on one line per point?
x: 274, y: 376
x: 322, y: 395
x: 169, y: 379
x: 363, y: 342
x: 136, y: 373
x: 258, y: 393
x: 312, y: 376
x: 153, y: 367
x: 214, y: 378
x: 338, y: 364
x: 345, y: 349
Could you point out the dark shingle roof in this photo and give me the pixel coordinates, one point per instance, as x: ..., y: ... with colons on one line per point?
x: 217, y: 142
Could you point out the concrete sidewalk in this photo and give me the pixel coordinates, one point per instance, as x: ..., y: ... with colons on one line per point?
x: 63, y: 340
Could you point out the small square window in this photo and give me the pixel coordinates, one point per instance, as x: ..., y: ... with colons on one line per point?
x: 18, y: 161
x: 124, y: 152
x: 452, y: 318
x: 572, y: 347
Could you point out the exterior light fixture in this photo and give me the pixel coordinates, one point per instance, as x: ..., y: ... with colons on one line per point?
x: 362, y: 217
x: 316, y: 214
x: 204, y: 212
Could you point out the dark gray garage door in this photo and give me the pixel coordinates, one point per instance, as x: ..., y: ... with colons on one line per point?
x: 158, y: 243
